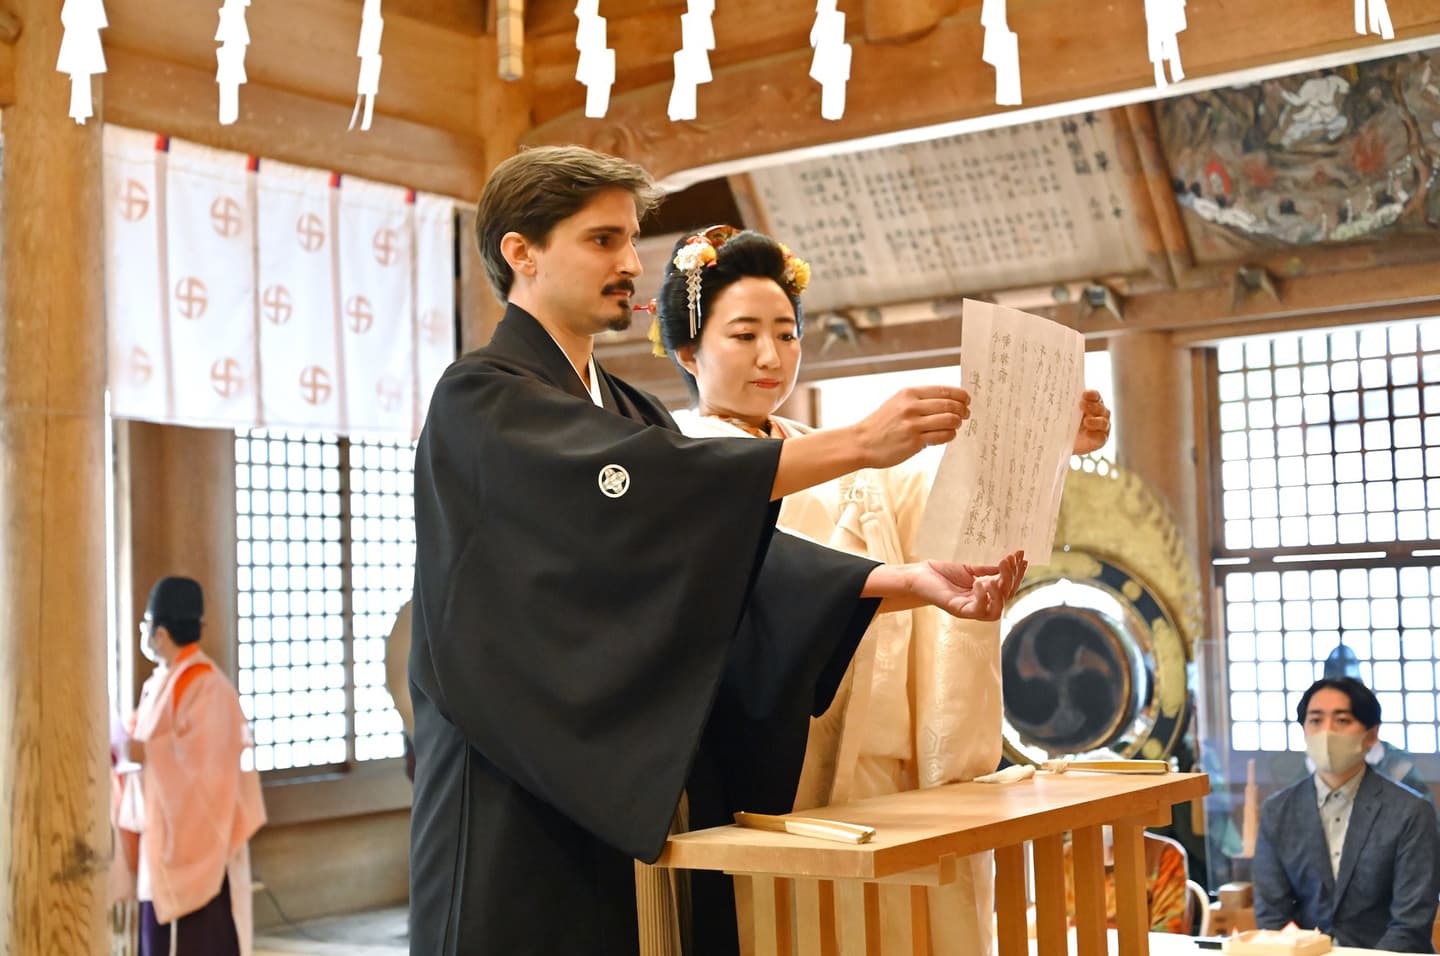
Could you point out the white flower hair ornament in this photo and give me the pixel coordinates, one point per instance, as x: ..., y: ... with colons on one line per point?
x: 699, y: 253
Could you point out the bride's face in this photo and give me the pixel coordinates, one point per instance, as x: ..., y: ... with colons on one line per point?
x: 749, y: 351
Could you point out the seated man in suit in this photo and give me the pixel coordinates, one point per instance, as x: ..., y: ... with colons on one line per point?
x: 1347, y: 851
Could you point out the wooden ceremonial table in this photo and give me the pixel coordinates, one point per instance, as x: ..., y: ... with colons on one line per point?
x: 801, y: 896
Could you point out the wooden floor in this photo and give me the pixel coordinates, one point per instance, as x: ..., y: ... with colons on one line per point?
x: 373, y: 933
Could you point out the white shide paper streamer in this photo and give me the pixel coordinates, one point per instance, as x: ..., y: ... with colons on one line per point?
x: 81, y: 55
x: 596, y: 69
x: 692, y: 60
x: 1377, y: 22
x: 1165, y: 20
x: 233, y: 37
x: 371, y: 26
x: 1002, y: 51
x: 830, y: 67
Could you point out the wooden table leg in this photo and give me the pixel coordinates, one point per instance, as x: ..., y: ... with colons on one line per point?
x: 857, y: 917
x: 1132, y: 908
x: 1088, y: 856
x: 1050, y: 896
x: 770, y: 904
x: 904, y: 921
x: 745, y: 913
x: 815, y: 918
x: 1010, y: 899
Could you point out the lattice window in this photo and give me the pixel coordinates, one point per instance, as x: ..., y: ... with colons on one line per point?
x: 382, y: 575
x: 326, y: 544
x: 292, y: 654
x: 1329, y: 448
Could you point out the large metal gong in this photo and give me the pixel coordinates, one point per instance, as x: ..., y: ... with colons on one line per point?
x: 1097, y: 648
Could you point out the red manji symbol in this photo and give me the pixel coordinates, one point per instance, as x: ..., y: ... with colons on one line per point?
x: 387, y: 247
x: 359, y: 314
x: 225, y: 378
x: 140, y: 366
x: 225, y: 217
x: 434, y: 326
x: 315, y: 385
x: 276, y: 306
x: 191, y: 295
x: 311, y: 232
x: 389, y: 392
x: 134, y: 201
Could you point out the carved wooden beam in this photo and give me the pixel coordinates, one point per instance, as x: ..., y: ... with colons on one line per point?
x: 307, y: 48
x: 1166, y: 243
x: 551, y: 17
x: 462, y: 16
x: 890, y: 21
x: 1385, y: 287
x: 7, y: 75
x: 10, y: 27
x: 768, y: 105
x: 149, y: 94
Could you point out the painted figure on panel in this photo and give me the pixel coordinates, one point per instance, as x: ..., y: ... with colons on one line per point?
x: 1329, y: 156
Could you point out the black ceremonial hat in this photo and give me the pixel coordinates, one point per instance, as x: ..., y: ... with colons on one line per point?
x: 176, y: 599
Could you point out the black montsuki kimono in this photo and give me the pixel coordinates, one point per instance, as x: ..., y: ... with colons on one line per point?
x: 580, y: 657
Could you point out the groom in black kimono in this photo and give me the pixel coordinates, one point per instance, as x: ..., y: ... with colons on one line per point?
x: 604, y: 614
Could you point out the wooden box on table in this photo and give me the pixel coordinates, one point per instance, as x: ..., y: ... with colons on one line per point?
x: 814, y: 897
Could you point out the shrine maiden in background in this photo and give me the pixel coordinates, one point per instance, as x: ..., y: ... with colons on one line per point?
x: 184, y: 806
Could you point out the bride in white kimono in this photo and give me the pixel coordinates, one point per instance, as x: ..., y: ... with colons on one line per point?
x: 921, y: 703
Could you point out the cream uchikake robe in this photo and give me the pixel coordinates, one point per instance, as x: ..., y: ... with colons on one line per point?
x: 921, y: 703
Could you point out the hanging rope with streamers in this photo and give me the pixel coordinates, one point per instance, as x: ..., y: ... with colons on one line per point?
x: 233, y: 37
x: 81, y: 55
x: 372, y: 25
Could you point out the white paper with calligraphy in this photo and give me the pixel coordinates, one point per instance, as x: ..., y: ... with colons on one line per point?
x: 1002, y: 209
x: 299, y: 344
x: 376, y: 247
x: 134, y: 315
x: 999, y: 484
x: 434, y: 297
x: 209, y: 222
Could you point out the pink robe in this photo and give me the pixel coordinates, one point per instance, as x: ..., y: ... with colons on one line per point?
x: 193, y: 805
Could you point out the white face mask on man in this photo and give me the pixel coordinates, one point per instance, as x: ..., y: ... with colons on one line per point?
x: 1335, y: 753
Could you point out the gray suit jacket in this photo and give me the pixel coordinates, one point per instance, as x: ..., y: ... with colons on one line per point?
x: 1385, y: 894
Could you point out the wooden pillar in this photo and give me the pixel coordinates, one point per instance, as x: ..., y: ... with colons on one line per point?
x: 55, y: 842
x: 175, y: 504
x: 503, y: 114
x: 1154, y: 420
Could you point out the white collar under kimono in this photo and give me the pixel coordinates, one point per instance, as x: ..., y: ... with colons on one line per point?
x: 594, y: 386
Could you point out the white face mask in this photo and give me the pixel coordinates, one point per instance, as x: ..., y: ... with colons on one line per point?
x: 1335, y: 753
